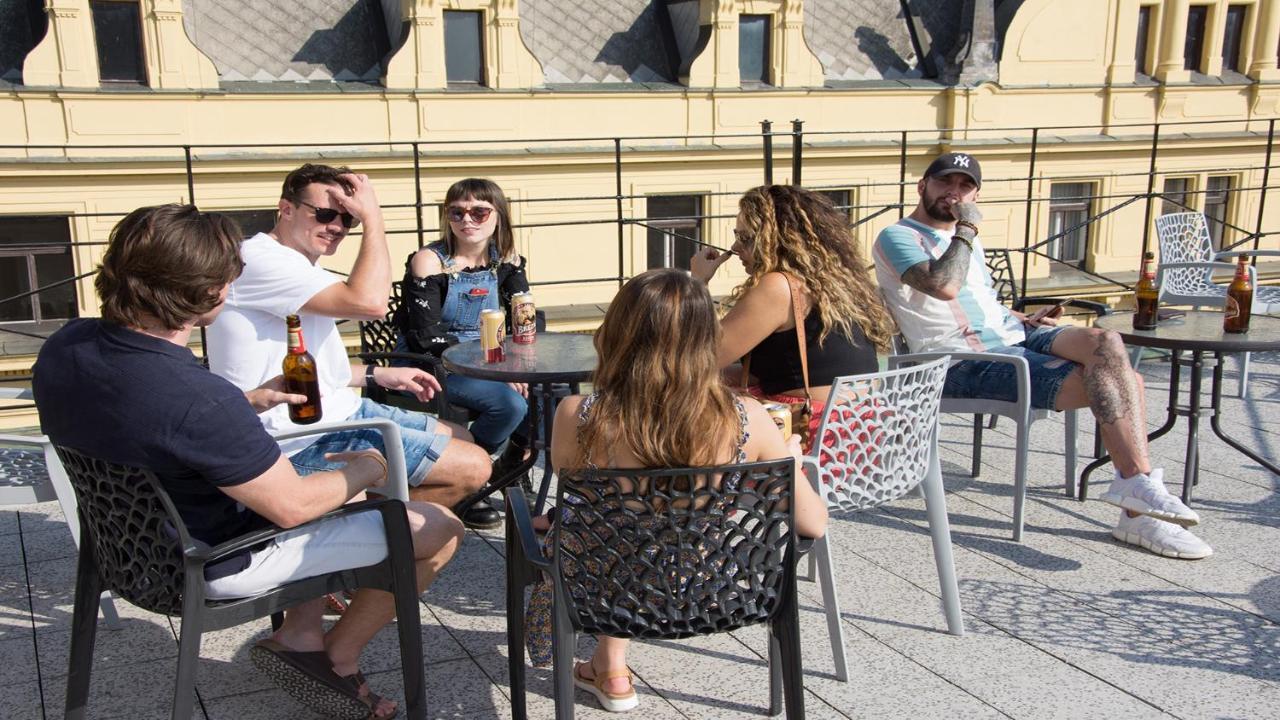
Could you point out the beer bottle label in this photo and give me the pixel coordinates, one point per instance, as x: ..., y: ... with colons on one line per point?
x: 1232, y: 309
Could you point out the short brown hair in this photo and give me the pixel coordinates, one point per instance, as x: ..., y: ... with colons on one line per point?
x: 298, y: 180
x: 484, y: 190
x: 168, y: 262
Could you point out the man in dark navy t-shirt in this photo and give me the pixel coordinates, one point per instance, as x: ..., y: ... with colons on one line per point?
x: 126, y: 389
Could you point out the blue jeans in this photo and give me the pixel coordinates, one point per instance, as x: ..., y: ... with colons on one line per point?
x: 422, y: 445
x: 995, y: 381
x: 502, y: 410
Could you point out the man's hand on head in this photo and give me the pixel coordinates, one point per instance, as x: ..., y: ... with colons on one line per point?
x: 967, y: 218
x: 362, y: 202
x: 272, y: 393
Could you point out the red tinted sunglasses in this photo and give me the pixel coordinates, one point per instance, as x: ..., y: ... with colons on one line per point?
x: 324, y: 216
x: 478, y: 214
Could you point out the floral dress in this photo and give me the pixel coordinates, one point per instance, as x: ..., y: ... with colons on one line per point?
x: 538, y: 616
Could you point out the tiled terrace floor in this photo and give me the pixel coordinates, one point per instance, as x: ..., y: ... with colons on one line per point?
x: 1066, y: 624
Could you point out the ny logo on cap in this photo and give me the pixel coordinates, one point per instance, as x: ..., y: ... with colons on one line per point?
x: 961, y: 161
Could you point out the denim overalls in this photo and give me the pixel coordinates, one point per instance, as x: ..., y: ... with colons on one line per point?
x: 468, y: 293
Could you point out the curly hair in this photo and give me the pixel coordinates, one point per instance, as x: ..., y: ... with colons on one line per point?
x: 658, y: 386
x: 167, y: 262
x: 799, y: 232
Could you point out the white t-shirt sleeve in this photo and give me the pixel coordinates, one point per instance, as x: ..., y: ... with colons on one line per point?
x: 278, y: 280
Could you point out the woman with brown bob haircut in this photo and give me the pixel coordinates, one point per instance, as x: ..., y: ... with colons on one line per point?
x: 659, y: 402
x: 801, y: 261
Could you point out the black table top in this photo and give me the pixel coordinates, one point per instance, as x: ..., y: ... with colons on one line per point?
x: 553, y: 357
x: 1198, y: 330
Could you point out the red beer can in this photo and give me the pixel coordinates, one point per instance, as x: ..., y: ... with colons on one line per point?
x: 524, y: 326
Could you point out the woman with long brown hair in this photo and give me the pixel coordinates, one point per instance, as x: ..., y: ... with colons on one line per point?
x: 801, y: 262
x: 659, y: 402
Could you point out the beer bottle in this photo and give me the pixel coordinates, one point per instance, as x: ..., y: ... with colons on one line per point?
x: 300, y: 375
x: 1148, y: 296
x: 1235, y: 318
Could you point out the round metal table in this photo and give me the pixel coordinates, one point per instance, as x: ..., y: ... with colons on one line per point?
x: 552, y: 358
x: 1198, y: 332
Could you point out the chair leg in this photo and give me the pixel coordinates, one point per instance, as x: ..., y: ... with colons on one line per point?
x: 810, y: 572
x: 976, y: 467
x: 409, y: 625
x: 831, y: 603
x: 188, y: 648
x: 563, y: 645
x: 1071, y: 421
x: 515, y: 622
x: 1023, y: 428
x: 84, y: 625
x: 1136, y: 357
x: 110, y: 617
x: 1244, y: 376
x: 775, y: 675
x: 940, y: 530
x: 785, y: 632
x: 1098, y: 449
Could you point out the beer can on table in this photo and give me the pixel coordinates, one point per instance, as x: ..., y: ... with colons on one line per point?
x: 781, y: 415
x: 524, y: 326
x: 491, y: 332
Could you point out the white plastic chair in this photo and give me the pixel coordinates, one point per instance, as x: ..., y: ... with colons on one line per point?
x: 1184, y: 238
x: 878, y: 440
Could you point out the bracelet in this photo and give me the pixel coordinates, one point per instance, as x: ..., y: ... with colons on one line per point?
x: 966, y: 223
x: 369, y: 382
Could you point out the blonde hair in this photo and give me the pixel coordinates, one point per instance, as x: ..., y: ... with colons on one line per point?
x: 658, y: 386
x: 799, y: 232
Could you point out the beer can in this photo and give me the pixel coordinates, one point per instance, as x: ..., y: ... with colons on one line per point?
x: 524, y: 325
x: 781, y: 415
x: 491, y: 333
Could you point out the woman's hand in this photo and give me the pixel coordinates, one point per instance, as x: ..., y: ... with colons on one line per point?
x: 522, y: 388
x: 704, y: 264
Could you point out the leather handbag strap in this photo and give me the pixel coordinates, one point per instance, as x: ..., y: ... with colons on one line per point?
x: 800, y: 340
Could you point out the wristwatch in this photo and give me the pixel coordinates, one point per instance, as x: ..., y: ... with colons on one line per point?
x: 369, y: 382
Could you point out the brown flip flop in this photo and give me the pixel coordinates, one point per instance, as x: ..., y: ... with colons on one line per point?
x: 308, y: 678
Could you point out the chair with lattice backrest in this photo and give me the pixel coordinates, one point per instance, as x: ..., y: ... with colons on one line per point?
x: 662, y: 554
x: 133, y: 542
x: 879, y: 441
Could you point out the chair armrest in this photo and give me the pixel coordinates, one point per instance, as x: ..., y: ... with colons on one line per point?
x: 1022, y: 371
x: 518, y: 515
x: 258, y: 537
x: 397, y: 476
x: 1206, y: 266
x: 1249, y: 253
x: 1096, y: 308
x: 422, y: 359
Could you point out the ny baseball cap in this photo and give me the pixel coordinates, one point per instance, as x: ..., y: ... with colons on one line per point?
x: 955, y: 162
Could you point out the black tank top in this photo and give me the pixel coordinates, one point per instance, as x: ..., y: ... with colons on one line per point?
x: 776, y: 360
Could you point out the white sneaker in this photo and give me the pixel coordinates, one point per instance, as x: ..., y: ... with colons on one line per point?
x: 1161, y: 538
x: 1147, y: 495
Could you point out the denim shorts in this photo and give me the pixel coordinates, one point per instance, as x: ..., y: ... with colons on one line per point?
x: 995, y: 381
x: 422, y: 444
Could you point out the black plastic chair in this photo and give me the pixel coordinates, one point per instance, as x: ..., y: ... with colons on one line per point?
x: 133, y: 542
x: 662, y: 554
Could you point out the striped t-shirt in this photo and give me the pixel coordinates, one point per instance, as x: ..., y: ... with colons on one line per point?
x: 975, y: 321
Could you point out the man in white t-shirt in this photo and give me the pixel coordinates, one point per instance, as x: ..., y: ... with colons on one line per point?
x: 318, y: 206
x: 931, y: 269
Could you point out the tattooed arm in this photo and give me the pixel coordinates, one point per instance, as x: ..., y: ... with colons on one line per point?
x: 943, y: 277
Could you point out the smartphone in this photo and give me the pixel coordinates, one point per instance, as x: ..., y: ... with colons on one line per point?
x: 1057, y: 309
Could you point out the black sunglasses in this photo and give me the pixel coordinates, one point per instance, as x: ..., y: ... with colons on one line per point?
x: 325, y: 216
x: 478, y: 214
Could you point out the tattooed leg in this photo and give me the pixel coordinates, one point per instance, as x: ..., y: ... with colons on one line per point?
x: 1110, y: 387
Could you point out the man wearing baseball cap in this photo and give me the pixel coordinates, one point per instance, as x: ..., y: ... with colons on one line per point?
x: 931, y: 270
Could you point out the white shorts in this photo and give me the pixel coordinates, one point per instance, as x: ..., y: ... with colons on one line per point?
x: 338, y: 544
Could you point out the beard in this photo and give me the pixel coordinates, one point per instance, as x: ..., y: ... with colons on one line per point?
x: 939, y: 209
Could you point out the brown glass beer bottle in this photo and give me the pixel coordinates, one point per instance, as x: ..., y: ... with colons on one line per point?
x: 300, y: 375
x: 1235, y: 317
x: 1147, y: 295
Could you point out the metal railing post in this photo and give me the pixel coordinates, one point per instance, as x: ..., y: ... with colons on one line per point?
x: 417, y: 194
x: 1151, y: 186
x: 902, y: 175
x: 617, y: 184
x: 1266, y: 178
x: 1031, y: 189
x: 191, y: 178
x: 797, y: 150
x: 766, y: 131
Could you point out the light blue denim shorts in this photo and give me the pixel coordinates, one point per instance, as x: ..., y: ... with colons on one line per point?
x: 995, y: 380
x: 422, y: 443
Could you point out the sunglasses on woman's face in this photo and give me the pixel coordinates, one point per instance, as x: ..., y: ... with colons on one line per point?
x: 324, y: 216
x: 478, y: 214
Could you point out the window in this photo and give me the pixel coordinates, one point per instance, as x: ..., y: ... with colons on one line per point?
x: 1217, y: 200
x: 1069, y: 208
x: 1142, y: 45
x: 463, y: 47
x: 252, y: 222
x: 117, y: 30
x: 1231, y: 36
x: 842, y: 199
x: 1174, y: 198
x: 753, y: 49
x: 675, y: 227
x: 35, y: 251
x: 1193, y: 50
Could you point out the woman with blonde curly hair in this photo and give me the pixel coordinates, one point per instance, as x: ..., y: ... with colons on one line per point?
x: 660, y: 333
x: 801, y: 261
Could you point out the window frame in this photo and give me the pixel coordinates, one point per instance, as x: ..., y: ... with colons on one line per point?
x: 1075, y: 205
x: 143, y: 79
x: 766, y: 51
x: 1186, y: 196
x: 1143, y: 57
x: 29, y: 251
x: 1217, y: 230
x: 1194, y: 61
x: 1234, y: 60
x: 659, y: 224
x: 481, y: 69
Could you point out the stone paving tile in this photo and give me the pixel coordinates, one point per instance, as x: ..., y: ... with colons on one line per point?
x: 141, y: 690
x: 469, y: 598
x: 21, y: 701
